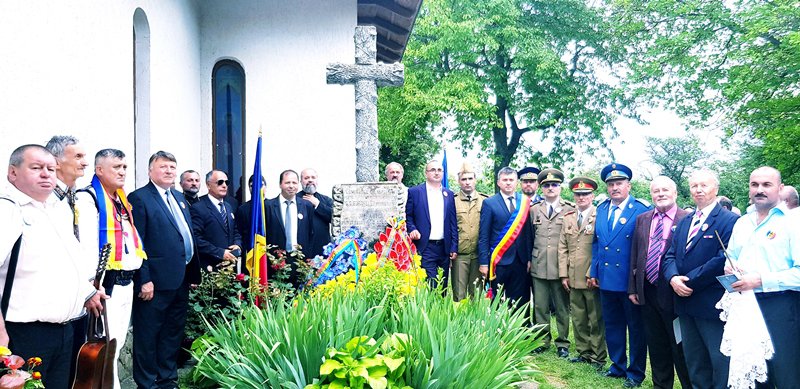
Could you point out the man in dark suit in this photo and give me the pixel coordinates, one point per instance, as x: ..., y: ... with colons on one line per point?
x: 431, y: 221
x: 512, y: 269
x: 651, y: 238
x: 162, y: 219
x: 288, y: 220
x: 213, y: 224
x: 611, y: 255
x: 691, y: 266
x: 323, y: 210
x: 244, y: 218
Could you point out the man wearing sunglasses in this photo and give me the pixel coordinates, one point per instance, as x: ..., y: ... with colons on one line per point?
x: 213, y: 224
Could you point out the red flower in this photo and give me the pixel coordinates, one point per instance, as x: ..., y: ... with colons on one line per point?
x: 13, y: 362
x: 240, y: 277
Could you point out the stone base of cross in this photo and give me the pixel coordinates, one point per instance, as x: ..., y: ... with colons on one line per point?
x: 367, y: 75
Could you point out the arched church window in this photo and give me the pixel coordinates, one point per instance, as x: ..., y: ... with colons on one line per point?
x: 229, y: 124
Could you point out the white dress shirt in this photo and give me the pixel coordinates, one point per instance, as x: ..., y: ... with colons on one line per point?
x: 436, y: 212
x: 88, y: 224
x: 292, y: 215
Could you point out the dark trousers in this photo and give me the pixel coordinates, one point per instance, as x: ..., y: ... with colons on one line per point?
x: 78, y: 339
x: 708, y: 367
x: 781, y: 311
x: 435, y: 257
x: 515, y: 282
x: 158, y: 329
x: 49, y: 341
x: 623, y: 318
x: 666, y: 356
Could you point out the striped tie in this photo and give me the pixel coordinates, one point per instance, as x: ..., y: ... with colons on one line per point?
x: 694, y: 228
x: 655, y: 250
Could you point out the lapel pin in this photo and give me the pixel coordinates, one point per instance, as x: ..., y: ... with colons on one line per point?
x: 183, y: 205
x: 705, y: 227
x: 588, y: 228
x: 300, y: 216
x: 444, y: 193
x: 622, y: 220
x: 770, y: 235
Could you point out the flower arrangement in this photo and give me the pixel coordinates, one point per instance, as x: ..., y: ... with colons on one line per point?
x: 395, y: 245
x: 13, y: 376
x: 347, y: 251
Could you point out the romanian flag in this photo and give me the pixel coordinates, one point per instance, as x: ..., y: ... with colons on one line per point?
x: 444, y: 166
x: 257, y: 254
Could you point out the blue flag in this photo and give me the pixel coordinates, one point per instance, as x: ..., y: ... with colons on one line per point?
x: 444, y: 166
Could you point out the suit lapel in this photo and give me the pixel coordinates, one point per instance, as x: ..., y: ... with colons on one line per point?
x: 276, y: 210
x: 156, y: 193
x: 708, y: 225
x: 215, y: 211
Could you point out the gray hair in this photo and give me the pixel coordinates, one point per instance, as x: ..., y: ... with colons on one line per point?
x: 670, y: 183
x: 58, y: 143
x: 710, y: 173
x: 108, y: 153
x: 190, y: 171
x: 211, y: 173
x: 18, y: 155
x: 506, y: 171
x: 161, y: 155
x: 390, y: 164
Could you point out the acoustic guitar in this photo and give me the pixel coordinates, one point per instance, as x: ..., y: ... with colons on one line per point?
x: 95, y: 366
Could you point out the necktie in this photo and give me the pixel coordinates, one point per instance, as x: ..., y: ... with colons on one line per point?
x: 694, y: 228
x: 469, y: 198
x: 511, y: 206
x: 611, y: 217
x: 223, y: 214
x: 655, y: 250
x: 183, y: 228
x: 549, y: 211
x: 287, y: 225
x: 580, y: 219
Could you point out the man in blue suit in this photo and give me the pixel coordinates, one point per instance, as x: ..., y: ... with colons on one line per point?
x: 288, y: 221
x: 691, y: 266
x: 213, y: 224
x: 161, y: 217
x: 512, y: 269
x: 431, y: 221
x: 611, y: 253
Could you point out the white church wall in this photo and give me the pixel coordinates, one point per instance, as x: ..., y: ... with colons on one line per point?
x: 67, y: 68
x: 284, y: 47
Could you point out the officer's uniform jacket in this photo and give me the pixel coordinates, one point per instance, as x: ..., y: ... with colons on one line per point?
x: 544, y: 261
x: 575, y: 248
x: 468, y: 217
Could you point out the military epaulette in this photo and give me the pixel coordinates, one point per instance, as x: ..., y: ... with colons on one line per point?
x: 643, y: 202
x: 538, y: 202
x: 570, y: 212
x: 567, y: 202
x: 484, y: 195
x: 607, y: 200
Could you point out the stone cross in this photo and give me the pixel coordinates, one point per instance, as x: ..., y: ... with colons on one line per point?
x: 367, y: 75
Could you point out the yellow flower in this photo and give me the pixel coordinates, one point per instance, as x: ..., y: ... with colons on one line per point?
x: 4, y: 351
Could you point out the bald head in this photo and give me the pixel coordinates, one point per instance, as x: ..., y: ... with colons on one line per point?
x: 765, y: 188
x: 789, y: 196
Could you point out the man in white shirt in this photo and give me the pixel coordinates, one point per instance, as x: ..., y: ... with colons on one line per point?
x: 38, y: 320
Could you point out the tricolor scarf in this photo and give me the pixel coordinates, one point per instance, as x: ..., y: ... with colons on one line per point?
x: 110, y: 225
x: 509, y: 234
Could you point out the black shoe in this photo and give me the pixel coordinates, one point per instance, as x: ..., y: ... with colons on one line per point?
x: 540, y: 349
x: 579, y: 360
x: 610, y: 374
x: 629, y: 383
x: 562, y: 352
x: 597, y: 365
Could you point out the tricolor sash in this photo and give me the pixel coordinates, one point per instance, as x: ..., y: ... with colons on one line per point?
x: 509, y: 234
x: 110, y: 225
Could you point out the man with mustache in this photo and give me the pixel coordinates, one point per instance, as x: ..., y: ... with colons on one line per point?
x: 765, y: 250
x: 190, y: 183
x: 691, y: 265
x: 323, y: 210
x: 610, y: 263
x: 652, y: 237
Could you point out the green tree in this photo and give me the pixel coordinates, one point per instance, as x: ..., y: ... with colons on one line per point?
x: 731, y: 64
x: 677, y: 157
x: 487, y: 72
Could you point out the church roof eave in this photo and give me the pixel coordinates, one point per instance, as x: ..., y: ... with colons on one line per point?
x: 393, y: 20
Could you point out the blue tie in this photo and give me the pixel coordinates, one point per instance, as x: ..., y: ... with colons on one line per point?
x: 287, y: 225
x: 611, y: 212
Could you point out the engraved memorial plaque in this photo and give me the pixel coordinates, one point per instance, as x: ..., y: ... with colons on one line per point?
x: 366, y: 205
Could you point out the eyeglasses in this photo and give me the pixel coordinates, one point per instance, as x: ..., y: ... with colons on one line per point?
x: 220, y: 182
x: 551, y: 185
x: 432, y: 170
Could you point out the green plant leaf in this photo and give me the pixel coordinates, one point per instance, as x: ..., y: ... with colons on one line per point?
x: 329, y: 366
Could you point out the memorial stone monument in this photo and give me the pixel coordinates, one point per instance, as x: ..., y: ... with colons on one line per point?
x: 367, y: 206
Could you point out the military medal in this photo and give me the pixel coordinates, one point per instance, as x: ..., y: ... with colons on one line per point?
x: 588, y: 228
x: 622, y: 220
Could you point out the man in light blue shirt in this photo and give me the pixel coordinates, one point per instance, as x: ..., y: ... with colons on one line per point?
x: 766, y: 249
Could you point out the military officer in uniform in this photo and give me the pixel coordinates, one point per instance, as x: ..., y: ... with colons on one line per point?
x: 548, y: 217
x: 529, y: 182
x: 468, y: 215
x: 611, y: 253
x: 574, y: 259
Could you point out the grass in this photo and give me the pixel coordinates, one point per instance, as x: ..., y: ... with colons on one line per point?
x: 558, y: 372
